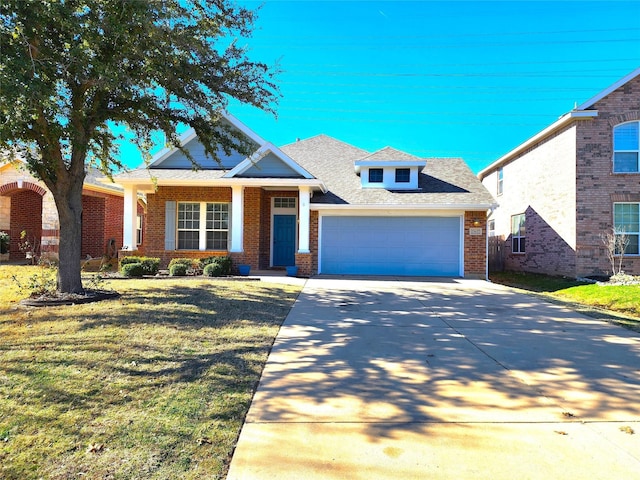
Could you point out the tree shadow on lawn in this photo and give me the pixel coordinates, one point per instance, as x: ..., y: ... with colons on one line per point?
x: 147, y: 347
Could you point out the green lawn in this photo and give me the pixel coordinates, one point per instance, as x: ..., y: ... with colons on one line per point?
x: 155, y: 384
x: 620, y: 302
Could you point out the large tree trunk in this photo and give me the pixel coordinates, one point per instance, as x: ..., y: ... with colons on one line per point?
x: 68, y: 198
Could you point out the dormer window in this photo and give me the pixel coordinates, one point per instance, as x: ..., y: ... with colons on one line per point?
x: 390, y: 169
x: 403, y: 175
x: 376, y: 175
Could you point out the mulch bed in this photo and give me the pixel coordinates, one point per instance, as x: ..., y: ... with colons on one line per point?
x: 69, y: 298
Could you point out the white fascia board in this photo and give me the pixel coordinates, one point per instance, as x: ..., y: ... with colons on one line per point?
x: 610, y: 89
x: 263, y: 151
x: 190, y: 134
x: 384, y: 207
x: 398, y: 164
x: 148, y: 185
x: 561, y: 122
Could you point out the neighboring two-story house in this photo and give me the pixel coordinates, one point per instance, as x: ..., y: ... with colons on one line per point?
x: 562, y: 189
x: 320, y: 204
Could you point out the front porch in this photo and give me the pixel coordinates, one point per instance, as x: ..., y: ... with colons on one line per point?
x: 267, y: 226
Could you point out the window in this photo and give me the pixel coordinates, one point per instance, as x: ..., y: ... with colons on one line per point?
x: 517, y: 233
x: 139, y: 230
x: 375, y: 175
x: 188, y: 226
x: 500, y: 181
x: 213, y: 228
x: 403, y: 175
x: 626, y: 147
x: 284, y: 202
x: 217, y: 226
x: 626, y: 218
x: 492, y: 228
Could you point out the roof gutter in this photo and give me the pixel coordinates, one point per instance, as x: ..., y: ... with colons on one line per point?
x: 431, y: 206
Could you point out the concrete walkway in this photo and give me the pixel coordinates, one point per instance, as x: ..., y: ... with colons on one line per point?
x: 450, y: 379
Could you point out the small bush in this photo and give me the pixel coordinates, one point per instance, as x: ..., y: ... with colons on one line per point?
x: 192, y: 265
x: 150, y: 265
x: 178, y: 270
x: 132, y: 270
x: 216, y: 266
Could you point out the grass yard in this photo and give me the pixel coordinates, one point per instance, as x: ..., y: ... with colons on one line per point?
x: 622, y: 301
x: 155, y: 384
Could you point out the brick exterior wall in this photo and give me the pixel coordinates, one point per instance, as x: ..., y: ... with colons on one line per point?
x: 102, y: 220
x: 475, y: 246
x: 540, y: 183
x: 596, y: 184
x: 26, y: 215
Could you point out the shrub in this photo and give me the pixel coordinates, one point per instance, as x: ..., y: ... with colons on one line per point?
x: 192, y: 265
x: 177, y: 269
x: 132, y: 270
x: 216, y: 266
x: 150, y: 265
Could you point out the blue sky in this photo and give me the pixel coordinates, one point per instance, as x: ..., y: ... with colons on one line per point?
x: 436, y: 79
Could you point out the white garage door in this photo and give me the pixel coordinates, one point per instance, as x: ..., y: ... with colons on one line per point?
x: 428, y: 246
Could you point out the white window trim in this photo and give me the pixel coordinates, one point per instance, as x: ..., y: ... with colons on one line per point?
x: 637, y: 152
x: 202, y: 227
x: 628, y: 233
x: 520, y: 237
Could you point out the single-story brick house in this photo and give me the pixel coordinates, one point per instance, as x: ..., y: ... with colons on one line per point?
x: 561, y: 189
x: 27, y: 205
x: 321, y: 204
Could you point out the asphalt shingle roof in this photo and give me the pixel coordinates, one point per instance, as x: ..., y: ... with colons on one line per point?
x: 442, y: 182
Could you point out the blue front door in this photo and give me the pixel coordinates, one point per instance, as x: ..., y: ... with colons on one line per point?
x: 284, y: 240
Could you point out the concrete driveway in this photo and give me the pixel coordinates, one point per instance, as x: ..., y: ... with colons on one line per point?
x: 450, y: 379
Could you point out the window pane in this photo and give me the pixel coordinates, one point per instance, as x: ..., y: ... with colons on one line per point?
x: 403, y: 175
x: 188, y: 240
x: 625, y: 162
x: 632, y: 248
x: 522, y: 240
x: 375, y: 175
x: 625, y: 137
x: 515, y: 245
x: 217, y: 240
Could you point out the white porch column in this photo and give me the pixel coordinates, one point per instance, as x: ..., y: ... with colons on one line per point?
x: 130, y: 217
x: 237, y: 218
x: 304, y: 194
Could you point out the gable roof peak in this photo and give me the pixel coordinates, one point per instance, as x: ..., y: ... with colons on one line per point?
x: 390, y: 154
x: 624, y: 80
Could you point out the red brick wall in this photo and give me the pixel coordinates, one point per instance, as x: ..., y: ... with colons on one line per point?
x: 475, y: 246
x: 26, y: 214
x: 597, y: 186
x: 154, y: 234
x: 93, y: 225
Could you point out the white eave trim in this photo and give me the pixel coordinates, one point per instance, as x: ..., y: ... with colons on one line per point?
x: 430, y: 206
x: 561, y: 122
x: 388, y: 163
x: 148, y: 185
x: 610, y: 89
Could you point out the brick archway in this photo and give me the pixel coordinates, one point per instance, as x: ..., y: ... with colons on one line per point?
x: 25, y: 214
x: 9, y: 189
